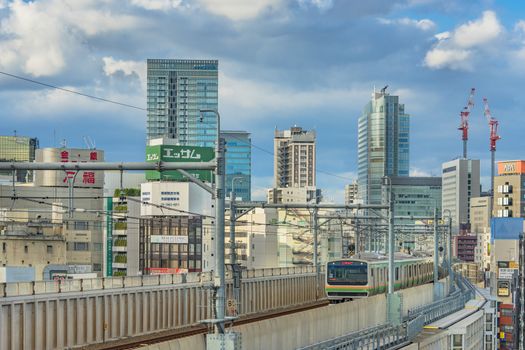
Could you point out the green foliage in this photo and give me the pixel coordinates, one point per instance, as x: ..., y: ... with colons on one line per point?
x: 121, y: 225
x: 127, y: 192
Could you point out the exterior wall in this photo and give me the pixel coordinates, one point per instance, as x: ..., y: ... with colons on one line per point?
x: 508, y: 196
x: 170, y: 245
x: 460, y: 184
x: 383, y: 144
x: 351, y: 193
x: 83, y: 231
x: 124, y: 236
x: 480, y: 213
x: 255, y: 239
x: 181, y: 197
x: 18, y: 149
x: 56, y: 178
x: 238, y: 164
x: 177, y: 90
x: 299, y: 195
x: 32, y: 251
x: 416, y: 196
x: 294, y: 158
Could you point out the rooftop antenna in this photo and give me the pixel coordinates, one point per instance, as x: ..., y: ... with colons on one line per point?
x: 63, y: 143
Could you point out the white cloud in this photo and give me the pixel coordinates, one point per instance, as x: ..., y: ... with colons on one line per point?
x: 478, y: 32
x: 322, y: 5
x: 162, y: 5
x: 3, y: 4
x: 112, y: 66
x: 239, y: 10
x: 42, y: 37
x: 419, y: 172
x: 423, y: 24
x: 248, y: 95
x: 452, y: 58
x: 457, y: 49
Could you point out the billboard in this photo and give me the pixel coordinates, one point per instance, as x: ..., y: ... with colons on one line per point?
x: 511, y: 167
x: 165, y: 270
x: 59, y: 178
x: 169, y: 239
x: 171, y: 153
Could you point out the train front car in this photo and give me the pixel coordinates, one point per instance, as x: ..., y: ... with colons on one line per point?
x: 346, y: 279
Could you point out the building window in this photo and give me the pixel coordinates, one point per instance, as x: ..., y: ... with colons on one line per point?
x: 80, y: 246
x: 26, y: 249
x: 97, y: 267
x: 49, y: 249
x: 4, y: 247
x: 81, y: 225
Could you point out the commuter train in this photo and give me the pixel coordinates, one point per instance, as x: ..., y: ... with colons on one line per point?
x: 367, y: 274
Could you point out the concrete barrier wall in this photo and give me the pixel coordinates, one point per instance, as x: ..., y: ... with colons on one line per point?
x: 417, y: 296
x: 313, y: 326
x: 73, y: 319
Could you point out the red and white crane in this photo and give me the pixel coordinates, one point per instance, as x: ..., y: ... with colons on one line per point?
x: 494, y: 137
x: 464, y: 114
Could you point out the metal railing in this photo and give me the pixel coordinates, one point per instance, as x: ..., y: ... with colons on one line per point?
x: 387, y: 335
x: 379, y: 337
x: 80, y: 285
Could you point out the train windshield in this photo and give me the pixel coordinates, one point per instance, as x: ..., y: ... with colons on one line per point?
x: 347, y: 273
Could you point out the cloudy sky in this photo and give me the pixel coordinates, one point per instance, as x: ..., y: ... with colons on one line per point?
x: 312, y: 63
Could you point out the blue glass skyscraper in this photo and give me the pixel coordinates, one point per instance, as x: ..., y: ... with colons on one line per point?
x: 238, y: 163
x: 383, y: 144
x: 177, y: 90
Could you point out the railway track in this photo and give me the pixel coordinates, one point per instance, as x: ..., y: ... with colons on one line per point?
x: 163, y: 336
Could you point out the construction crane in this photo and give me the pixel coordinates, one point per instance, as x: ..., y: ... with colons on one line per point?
x: 464, y: 114
x: 494, y: 137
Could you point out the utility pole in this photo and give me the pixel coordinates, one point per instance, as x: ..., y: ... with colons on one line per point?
x: 233, y: 247
x: 450, y: 271
x: 315, y: 257
x: 436, y: 250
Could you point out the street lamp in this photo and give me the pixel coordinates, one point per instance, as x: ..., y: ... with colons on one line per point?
x: 219, y: 278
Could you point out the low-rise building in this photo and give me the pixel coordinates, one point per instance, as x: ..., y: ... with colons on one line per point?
x: 294, y: 195
x: 35, y: 244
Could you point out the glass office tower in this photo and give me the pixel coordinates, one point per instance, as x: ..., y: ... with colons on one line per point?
x: 238, y: 163
x: 18, y: 149
x: 177, y: 90
x: 383, y: 144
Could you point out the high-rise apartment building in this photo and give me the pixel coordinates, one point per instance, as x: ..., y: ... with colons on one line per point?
x: 177, y: 91
x: 383, y: 144
x: 460, y: 183
x: 238, y: 163
x: 18, y: 149
x: 351, y: 193
x: 294, y: 158
x: 509, y: 190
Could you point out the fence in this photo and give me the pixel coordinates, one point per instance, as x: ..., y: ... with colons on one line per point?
x: 387, y: 335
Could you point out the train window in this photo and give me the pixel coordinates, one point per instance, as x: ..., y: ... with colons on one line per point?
x: 397, y: 273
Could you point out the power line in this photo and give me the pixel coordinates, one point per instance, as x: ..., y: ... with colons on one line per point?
x: 71, y: 91
x: 143, y: 109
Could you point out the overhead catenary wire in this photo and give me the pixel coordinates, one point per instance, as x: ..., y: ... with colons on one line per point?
x: 101, y: 99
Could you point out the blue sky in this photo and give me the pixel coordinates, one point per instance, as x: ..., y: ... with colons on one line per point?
x: 312, y: 63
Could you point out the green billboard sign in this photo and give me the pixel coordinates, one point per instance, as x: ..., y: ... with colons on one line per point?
x: 169, y: 153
